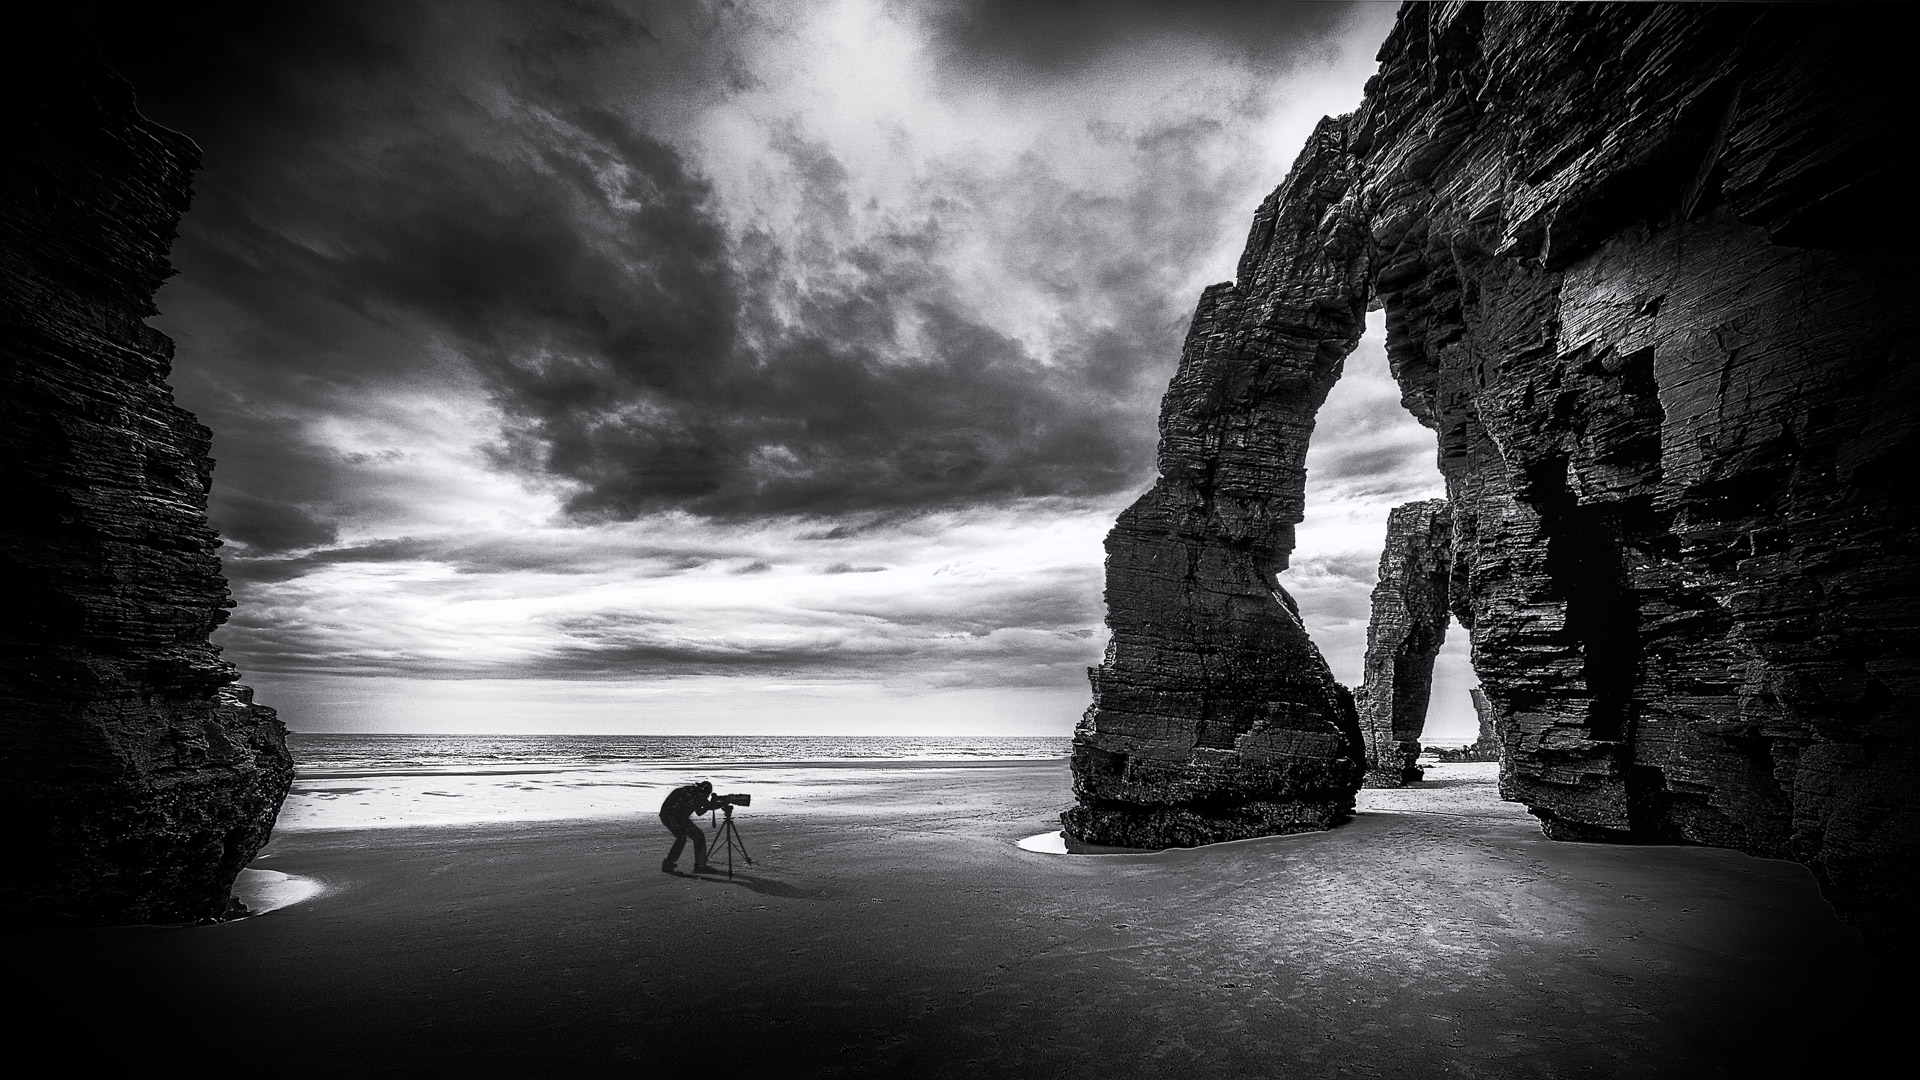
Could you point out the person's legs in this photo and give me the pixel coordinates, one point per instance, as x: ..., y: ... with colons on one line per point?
x: 699, y: 846
x: 678, y: 829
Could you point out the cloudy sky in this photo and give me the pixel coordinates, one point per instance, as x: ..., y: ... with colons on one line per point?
x: 699, y: 366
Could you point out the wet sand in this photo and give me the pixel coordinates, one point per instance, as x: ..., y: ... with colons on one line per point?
x: 891, y: 927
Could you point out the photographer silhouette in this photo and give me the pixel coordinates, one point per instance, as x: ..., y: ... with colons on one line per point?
x: 676, y: 813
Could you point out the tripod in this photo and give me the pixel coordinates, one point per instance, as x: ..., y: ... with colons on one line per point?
x: 728, y: 837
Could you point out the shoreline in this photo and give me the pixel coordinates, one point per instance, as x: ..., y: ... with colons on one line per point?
x: 326, y: 773
x: 893, y: 927
x: 333, y: 800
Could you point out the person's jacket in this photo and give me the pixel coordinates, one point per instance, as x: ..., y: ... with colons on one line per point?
x: 684, y: 802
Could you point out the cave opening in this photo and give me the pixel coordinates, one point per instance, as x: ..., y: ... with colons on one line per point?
x: 1586, y: 566
x: 1453, y: 720
x: 1370, y: 574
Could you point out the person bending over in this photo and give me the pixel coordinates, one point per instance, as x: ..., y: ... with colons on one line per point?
x: 677, y: 815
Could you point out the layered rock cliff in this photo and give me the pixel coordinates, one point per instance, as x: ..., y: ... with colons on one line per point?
x: 1645, y: 275
x: 1407, y: 626
x: 136, y: 779
x: 1215, y: 717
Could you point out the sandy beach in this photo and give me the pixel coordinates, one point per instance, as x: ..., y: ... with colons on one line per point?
x: 891, y: 926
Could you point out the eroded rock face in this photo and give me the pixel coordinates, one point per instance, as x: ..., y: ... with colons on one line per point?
x: 1669, y: 356
x: 1646, y: 275
x: 136, y: 779
x: 1214, y: 716
x: 1404, y: 633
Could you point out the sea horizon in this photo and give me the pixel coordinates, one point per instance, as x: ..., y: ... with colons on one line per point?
x: 330, y: 749
x: 345, y: 781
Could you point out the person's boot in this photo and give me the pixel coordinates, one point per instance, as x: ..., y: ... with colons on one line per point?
x: 666, y: 866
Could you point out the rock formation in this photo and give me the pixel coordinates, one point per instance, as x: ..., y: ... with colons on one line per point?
x: 1405, y: 632
x: 135, y: 778
x: 1484, y: 748
x: 1645, y: 272
x: 1483, y: 711
x: 1214, y: 716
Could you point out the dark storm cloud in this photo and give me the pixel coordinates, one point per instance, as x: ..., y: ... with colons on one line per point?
x: 731, y: 390
x: 358, y: 206
x: 578, y: 262
x: 271, y: 524
x: 452, y: 266
x: 498, y: 553
x: 499, y: 180
x: 1052, y: 39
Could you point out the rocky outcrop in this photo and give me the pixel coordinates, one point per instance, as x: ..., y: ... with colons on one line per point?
x: 1647, y: 308
x: 1404, y: 634
x: 1214, y: 716
x: 1646, y: 275
x: 136, y: 779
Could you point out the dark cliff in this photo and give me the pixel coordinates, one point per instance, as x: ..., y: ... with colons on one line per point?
x: 1645, y: 272
x: 136, y: 779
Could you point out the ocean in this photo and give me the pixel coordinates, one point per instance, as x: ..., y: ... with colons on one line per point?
x: 401, y: 781
x: 329, y: 753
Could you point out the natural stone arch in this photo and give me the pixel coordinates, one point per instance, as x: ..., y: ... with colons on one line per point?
x: 1214, y: 716
x: 1662, y: 328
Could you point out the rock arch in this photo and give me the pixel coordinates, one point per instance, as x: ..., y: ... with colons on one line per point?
x: 1663, y: 329
x: 1214, y: 716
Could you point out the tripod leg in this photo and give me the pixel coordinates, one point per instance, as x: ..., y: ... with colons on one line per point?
x: 734, y: 838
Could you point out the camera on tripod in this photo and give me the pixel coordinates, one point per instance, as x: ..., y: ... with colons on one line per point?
x: 728, y: 838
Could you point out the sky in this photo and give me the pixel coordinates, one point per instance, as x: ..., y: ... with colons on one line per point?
x: 726, y: 367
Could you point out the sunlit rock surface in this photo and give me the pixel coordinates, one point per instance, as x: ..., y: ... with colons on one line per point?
x: 1404, y: 633
x: 1646, y: 274
x: 135, y: 778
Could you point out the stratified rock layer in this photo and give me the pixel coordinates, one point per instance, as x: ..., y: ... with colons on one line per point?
x: 1650, y: 310
x: 1404, y: 634
x: 1215, y: 718
x: 135, y: 779
x: 1647, y: 275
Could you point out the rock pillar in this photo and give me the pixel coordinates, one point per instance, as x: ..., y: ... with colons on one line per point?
x: 1405, y: 632
x: 136, y: 779
x: 1214, y: 717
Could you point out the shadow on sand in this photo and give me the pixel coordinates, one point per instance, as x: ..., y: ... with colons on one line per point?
x: 1449, y: 782
x: 763, y: 885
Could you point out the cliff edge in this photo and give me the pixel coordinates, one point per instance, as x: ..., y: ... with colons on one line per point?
x: 136, y: 777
